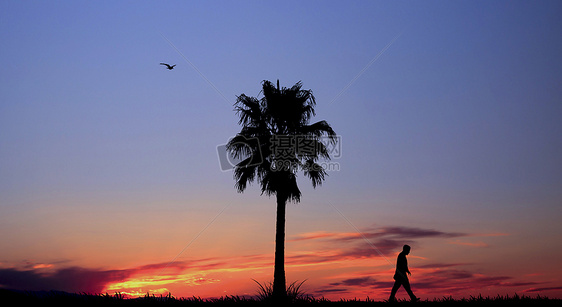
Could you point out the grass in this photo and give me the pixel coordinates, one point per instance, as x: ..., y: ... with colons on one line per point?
x: 298, y: 298
x: 294, y: 292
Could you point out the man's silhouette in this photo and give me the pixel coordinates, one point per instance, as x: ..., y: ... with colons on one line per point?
x: 400, y: 277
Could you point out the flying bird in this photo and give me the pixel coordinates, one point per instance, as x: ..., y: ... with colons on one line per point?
x: 170, y: 67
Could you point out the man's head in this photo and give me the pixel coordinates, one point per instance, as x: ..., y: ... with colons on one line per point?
x: 406, y: 249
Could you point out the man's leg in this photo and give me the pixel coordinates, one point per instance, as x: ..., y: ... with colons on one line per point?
x: 406, y: 285
x: 393, y: 291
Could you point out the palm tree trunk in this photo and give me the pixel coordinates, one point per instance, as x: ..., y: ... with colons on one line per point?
x: 279, y: 283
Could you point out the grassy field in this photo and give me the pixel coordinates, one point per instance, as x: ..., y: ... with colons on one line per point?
x: 19, y: 298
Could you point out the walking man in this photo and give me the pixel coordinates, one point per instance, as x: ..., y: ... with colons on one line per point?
x: 400, y: 277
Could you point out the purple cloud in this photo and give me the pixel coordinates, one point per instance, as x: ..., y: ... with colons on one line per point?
x: 71, y: 279
x: 87, y: 280
x: 442, y: 279
x: 416, y: 233
x: 544, y: 289
x: 403, y: 233
x: 372, y: 242
x: 368, y: 281
x: 374, y: 249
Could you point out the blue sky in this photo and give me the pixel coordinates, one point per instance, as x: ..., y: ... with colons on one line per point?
x: 456, y: 126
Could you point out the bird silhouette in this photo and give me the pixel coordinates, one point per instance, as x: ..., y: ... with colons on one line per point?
x: 170, y: 67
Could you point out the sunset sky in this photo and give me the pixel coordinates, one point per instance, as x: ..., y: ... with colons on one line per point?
x: 449, y: 113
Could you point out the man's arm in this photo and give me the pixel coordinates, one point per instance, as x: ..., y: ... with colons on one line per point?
x: 406, y: 265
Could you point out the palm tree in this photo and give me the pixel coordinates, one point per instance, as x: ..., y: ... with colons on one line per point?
x: 275, y: 143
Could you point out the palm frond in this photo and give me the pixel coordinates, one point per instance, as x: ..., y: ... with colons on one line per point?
x: 239, y: 146
x: 321, y: 128
x: 251, y: 131
x: 283, y: 182
x: 312, y: 148
x: 248, y: 109
x: 281, y: 111
x: 244, y: 175
x: 315, y: 172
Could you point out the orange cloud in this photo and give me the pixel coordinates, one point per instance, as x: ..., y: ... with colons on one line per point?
x: 346, y: 256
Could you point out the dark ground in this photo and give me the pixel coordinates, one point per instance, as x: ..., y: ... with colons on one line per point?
x: 46, y: 298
